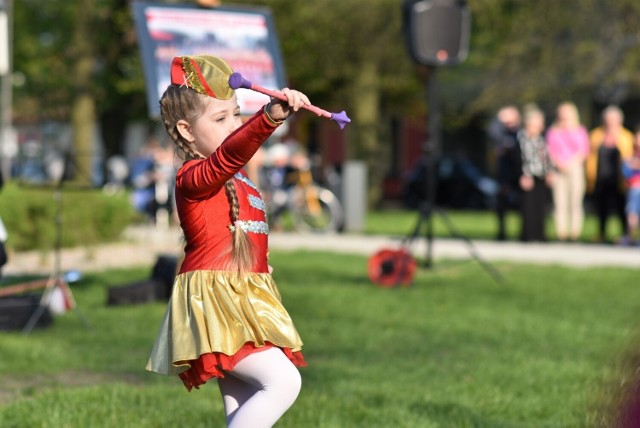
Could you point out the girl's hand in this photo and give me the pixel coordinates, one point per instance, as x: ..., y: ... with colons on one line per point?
x: 280, y: 110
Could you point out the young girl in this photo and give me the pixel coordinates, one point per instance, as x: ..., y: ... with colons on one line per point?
x: 225, y: 319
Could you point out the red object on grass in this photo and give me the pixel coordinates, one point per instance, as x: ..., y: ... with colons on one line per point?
x: 392, y: 268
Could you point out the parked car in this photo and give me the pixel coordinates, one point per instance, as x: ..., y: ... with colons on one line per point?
x: 460, y: 184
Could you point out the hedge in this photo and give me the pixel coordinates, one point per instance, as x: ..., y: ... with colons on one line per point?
x: 88, y: 216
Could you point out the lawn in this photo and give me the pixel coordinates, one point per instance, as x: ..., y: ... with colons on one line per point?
x: 472, y: 224
x: 454, y: 350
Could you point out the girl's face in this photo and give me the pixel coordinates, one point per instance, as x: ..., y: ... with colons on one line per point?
x: 219, y: 119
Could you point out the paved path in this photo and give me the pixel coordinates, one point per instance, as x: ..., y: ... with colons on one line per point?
x: 142, y: 245
x: 577, y: 255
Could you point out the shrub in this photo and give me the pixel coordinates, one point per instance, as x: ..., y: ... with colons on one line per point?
x: 88, y: 217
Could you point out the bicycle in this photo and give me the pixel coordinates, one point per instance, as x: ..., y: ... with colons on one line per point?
x: 310, y: 206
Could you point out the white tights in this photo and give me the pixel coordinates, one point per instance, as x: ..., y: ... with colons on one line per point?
x: 258, y: 391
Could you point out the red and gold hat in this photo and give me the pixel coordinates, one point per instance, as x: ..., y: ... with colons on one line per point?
x: 205, y: 74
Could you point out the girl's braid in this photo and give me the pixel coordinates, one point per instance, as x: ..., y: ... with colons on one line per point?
x: 180, y: 102
x: 243, y: 251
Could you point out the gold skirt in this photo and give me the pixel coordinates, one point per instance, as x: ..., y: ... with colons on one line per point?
x: 219, y: 312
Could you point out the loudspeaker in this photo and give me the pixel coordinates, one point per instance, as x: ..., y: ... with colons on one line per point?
x: 164, y: 273
x: 133, y: 293
x: 437, y: 31
x: 15, y: 312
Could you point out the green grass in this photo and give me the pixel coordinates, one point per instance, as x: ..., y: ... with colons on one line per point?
x: 454, y: 350
x: 472, y: 224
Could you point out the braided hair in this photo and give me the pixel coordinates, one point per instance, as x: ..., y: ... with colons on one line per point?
x: 178, y: 103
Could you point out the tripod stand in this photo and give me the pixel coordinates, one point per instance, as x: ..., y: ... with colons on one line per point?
x: 56, y: 279
x: 425, y: 215
x: 428, y: 207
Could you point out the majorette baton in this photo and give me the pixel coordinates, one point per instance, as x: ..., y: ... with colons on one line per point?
x: 237, y: 81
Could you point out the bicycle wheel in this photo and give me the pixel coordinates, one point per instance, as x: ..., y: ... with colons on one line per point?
x: 315, y: 209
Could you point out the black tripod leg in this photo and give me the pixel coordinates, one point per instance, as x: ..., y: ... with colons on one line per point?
x: 79, y: 314
x: 35, y: 317
x: 82, y: 318
x: 422, y: 216
x: 497, y: 276
x: 42, y: 306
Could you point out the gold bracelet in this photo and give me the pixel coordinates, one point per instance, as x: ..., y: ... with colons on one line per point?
x: 269, y: 118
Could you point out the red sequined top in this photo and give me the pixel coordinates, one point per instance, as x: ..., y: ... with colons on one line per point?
x: 203, y: 206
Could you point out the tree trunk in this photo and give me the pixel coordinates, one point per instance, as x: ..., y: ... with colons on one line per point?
x: 83, y: 110
x: 82, y: 119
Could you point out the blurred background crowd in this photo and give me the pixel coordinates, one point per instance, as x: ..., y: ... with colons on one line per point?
x: 563, y: 168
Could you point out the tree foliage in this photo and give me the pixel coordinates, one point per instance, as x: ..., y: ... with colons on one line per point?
x: 520, y: 51
x: 77, y: 62
x: 547, y: 51
x: 46, y: 54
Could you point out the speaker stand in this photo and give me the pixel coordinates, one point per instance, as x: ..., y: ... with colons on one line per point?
x: 56, y: 279
x: 427, y: 208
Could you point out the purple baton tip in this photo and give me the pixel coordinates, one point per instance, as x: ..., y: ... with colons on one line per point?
x: 341, y: 119
x: 237, y: 81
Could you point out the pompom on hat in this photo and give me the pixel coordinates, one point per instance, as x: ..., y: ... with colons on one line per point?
x: 205, y: 74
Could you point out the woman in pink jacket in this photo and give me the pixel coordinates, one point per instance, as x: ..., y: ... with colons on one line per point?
x: 568, y: 144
